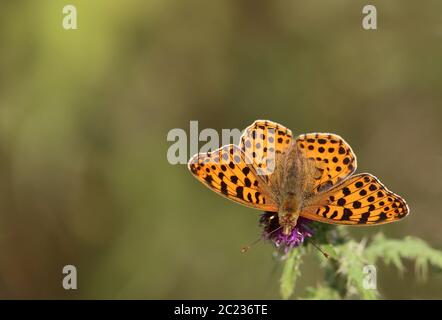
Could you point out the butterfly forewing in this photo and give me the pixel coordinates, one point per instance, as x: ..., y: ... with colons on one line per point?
x: 263, y: 142
x: 228, y: 172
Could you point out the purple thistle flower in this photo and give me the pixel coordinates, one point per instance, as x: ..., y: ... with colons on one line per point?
x: 274, y: 233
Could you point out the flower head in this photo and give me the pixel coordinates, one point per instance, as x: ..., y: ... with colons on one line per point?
x: 274, y: 233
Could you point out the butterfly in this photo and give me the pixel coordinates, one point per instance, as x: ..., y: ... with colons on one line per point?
x: 310, y: 176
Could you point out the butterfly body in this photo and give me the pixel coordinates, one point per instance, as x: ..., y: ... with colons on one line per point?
x: 295, y: 177
x: 310, y: 176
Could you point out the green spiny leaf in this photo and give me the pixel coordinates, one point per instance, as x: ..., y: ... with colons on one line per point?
x: 393, y: 251
x: 351, y: 266
x: 322, y: 293
x: 290, y: 272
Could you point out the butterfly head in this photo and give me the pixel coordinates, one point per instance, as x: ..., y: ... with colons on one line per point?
x: 288, y: 235
x: 288, y: 221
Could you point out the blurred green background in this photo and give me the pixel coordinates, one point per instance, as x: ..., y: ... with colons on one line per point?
x: 84, y: 178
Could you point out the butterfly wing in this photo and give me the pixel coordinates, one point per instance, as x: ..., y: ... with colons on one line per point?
x: 360, y: 200
x: 263, y: 142
x: 230, y: 173
x: 332, y: 156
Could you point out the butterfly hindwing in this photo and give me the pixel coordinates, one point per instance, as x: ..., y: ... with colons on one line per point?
x: 333, y: 157
x: 360, y: 200
x: 229, y: 172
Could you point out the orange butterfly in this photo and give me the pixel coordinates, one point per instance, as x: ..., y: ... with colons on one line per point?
x: 310, y: 176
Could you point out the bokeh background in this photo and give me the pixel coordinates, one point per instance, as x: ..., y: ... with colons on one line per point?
x: 84, y: 177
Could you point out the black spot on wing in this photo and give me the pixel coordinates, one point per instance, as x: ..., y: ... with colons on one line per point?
x: 224, y: 188
x: 347, y: 214
x: 364, y: 218
x: 327, y: 209
x: 239, y: 192
x: 209, y: 179
x: 341, y: 202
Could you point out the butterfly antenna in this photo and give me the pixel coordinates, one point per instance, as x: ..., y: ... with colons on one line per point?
x: 319, y: 248
x: 275, y: 230
x: 246, y: 248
